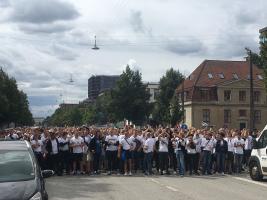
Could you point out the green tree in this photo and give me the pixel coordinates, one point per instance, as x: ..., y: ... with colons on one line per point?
x: 168, y: 84
x: 130, y: 99
x: 14, y: 105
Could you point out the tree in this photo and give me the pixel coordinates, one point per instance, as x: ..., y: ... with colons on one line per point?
x: 168, y: 84
x: 130, y: 99
x: 14, y: 105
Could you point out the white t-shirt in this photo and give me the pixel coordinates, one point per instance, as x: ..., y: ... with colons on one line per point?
x: 66, y: 146
x: 230, y: 143
x: 39, y: 148
x: 126, y: 145
x: 77, y: 141
x: 163, y: 144
x: 239, y: 149
x: 208, y: 145
x: 149, y: 145
x: 54, y: 146
x: 248, y: 143
x: 189, y: 149
x: 112, y: 140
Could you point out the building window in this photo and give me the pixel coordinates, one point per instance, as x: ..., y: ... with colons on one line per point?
x: 204, y: 95
x: 227, y: 95
x: 242, y: 113
x: 221, y: 76
x: 210, y: 75
x: 242, y: 96
x: 257, y: 116
x: 248, y: 77
x: 257, y: 96
x: 206, y: 115
x: 235, y: 76
x: 227, y: 116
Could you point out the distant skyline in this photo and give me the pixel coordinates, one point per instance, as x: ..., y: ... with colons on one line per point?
x: 43, y: 42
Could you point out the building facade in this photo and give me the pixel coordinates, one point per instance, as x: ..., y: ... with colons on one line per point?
x: 217, y: 93
x: 100, y: 84
x: 263, y: 35
x: 153, y: 89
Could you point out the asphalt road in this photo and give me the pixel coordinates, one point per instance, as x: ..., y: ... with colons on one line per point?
x: 155, y: 188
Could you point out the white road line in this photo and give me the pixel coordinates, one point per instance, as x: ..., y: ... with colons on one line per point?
x: 171, y: 188
x: 250, y: 181
x: 153, y: 180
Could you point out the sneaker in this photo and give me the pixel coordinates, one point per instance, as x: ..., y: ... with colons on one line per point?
x: 109, y: 173
x: 174, y: 172
x: 73, y: 173
x: 182, y: 176
x: 130, y: 174
x: 222, y: 173
x: 78, y: 172
x: 125, y: 174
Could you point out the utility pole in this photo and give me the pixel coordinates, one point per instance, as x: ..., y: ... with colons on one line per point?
x: 251, y: 105
x: 182, y: 96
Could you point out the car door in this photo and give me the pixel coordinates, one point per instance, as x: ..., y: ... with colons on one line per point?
x: 262, y: 151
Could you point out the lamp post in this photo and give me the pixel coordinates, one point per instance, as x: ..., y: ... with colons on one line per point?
x: 251, y: 103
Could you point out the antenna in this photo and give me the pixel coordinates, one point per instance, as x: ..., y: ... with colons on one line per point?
x: 95, y: 46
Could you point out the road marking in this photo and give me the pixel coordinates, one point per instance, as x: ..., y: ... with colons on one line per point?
x: 250, y: 181
x: 171, y: 188
x: 153, y: 180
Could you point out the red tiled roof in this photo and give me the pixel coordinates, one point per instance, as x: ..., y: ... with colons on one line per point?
x: 200, y: 78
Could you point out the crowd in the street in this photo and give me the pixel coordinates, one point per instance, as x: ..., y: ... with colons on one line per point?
x: 129, y: 151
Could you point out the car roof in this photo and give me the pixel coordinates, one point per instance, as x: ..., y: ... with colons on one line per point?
x: 14, y: 145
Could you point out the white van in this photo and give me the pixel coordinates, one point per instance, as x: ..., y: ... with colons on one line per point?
x: 258, y: 160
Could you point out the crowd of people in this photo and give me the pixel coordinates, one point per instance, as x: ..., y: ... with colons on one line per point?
x: 127, y: 151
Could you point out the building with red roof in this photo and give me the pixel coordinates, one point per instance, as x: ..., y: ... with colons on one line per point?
x: 217, y: 93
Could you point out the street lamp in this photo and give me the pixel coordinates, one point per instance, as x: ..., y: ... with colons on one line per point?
x: 251, y: 104
x: 95, y: 46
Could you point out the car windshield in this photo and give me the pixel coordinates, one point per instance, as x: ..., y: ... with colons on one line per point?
x: 15, y: 166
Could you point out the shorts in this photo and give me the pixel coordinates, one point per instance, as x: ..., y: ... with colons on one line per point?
x: 77, y: 157
x: 87, y: 157
x: 127, y: 155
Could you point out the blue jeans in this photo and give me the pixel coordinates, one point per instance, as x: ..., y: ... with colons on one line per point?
x: 206, y: 162
x: 220, y: 161
x: 180, y: 161
x: 148, y: 162
x: 238, y: 162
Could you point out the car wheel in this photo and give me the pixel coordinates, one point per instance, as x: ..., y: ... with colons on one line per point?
x: 254, y: 171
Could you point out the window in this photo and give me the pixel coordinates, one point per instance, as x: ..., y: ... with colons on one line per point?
x: 221, y: 76
x: 227, y: 116
x: 227, y: 95
x: 242, y: 96
x: 263, y: 140
x: 204, y: 95
x: 248, y: 77
x: 235, y: 76
x: 242, y: 113
x: 206, y: 116
x: 16, y: 166
x: 260, y: 77
x: 210, y: 75
x: 257, y: 96
x: 257, y: 116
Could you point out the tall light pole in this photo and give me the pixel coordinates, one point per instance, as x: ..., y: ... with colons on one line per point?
x: 251, y: 103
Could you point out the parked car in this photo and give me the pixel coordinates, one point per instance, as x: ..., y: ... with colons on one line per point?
x: 20, y: 175
x: 258, y: 160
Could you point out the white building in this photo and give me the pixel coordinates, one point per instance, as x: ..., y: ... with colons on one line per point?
x: 153, y: 89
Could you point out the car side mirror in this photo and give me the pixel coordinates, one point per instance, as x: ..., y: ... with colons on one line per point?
x: 47, y: 173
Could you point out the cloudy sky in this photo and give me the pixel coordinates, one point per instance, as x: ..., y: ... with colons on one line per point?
x: 45, y: 42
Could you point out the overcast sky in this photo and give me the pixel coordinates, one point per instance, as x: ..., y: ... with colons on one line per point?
x: 43, y: 42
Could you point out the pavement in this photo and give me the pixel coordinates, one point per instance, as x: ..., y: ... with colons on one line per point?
x: 141, y: 187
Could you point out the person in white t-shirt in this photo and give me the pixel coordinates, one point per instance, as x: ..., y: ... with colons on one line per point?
x: 248, y: 146
x: 230, y: 153
x: 163, y: 152
x: 239, y: 145
x: 37, y: 144
x: 77, y: 143
x: 112, y: 142
x: 149, y: 146
x: 126, y: 146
